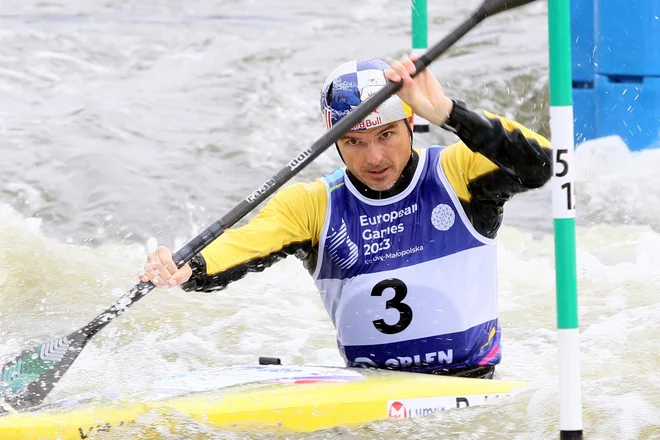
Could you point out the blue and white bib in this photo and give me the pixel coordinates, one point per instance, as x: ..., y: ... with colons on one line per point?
x: 408, y: 282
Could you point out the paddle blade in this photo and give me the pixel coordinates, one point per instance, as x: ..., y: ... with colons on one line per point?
x: 493, y: 7
x: 26, y: 380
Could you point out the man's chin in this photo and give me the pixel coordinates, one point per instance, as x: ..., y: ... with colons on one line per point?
x: 384, y: 185
x: 382, y: 182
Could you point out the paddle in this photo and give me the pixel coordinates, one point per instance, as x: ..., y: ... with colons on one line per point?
x: 27, y: 379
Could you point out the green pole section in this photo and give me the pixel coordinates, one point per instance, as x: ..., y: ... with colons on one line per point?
x: 561, y: 76
x: 567, y: 304
x: 419, y: 45
x: 563, y: 208
x: 419, y: 25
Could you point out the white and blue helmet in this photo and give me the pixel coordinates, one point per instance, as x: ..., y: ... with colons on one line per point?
x: 353, y: 82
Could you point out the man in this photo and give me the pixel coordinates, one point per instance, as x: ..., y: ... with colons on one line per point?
x: 400, y: 242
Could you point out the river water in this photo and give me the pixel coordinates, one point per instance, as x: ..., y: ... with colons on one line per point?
x: 124, y: 120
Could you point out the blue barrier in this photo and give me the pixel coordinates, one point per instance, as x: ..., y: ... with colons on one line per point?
x: 627, y: 37
x: 584, y: 113
x: 616, y: 70
x: 630, y: 108
x: 582, y: 41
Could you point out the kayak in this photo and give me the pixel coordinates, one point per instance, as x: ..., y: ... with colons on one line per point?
x: 258, y: 397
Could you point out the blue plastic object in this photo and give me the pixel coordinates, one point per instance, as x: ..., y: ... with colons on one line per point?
x: 616, y: 70
x: 584, y: 114
x: 627, y: 37
x: 582, y: 41
x: 628, y: 109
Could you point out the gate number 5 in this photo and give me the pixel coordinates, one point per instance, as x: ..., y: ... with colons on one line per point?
x: 562, y: 173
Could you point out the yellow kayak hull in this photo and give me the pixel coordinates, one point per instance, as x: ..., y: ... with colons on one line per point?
x: 298, y: 402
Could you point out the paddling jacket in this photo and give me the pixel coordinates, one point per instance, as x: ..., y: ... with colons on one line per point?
x: 448, y: 207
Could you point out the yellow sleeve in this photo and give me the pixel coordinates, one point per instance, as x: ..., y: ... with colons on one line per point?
x: 493, y: 163
x: 524, y: 155
x: 290, y: 221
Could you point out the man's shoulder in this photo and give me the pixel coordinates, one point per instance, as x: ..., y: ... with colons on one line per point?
x: 333, y: 178
x: 430, y: 151
x: 430, y: 148
x: 303, y: 190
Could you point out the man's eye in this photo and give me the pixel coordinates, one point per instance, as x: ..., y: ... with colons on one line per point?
x: 386, y: 134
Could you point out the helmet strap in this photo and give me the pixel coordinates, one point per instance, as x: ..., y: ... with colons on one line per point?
x: 410, y: 132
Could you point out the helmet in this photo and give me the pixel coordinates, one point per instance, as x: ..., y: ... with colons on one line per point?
x: 353, y: 82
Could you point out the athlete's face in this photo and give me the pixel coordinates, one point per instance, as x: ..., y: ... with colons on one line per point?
x: 377, y: 156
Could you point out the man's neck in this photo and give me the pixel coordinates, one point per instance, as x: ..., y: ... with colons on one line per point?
x: 402, y: 182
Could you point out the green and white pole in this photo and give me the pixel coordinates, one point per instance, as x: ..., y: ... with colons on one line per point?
x: 563, y: 209
x: 420, y: 43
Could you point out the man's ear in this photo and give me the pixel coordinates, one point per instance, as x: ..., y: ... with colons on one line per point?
x: 411, y: 121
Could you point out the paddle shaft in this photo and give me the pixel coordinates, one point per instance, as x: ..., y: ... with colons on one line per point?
x: 52, y: 359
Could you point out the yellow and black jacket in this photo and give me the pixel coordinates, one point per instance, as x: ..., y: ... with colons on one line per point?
x: 495, y: 159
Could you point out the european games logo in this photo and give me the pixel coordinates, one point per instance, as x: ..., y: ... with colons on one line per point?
x: 343, y: 251
x: 443, y: 217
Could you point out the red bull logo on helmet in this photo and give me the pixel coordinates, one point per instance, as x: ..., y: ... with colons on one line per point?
x: 369, y: 123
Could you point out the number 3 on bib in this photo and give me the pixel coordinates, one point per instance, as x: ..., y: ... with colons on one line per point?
x: 405, y: 312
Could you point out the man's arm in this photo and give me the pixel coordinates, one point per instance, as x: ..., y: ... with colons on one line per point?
x: 496, y: 159
x: 290, y: 223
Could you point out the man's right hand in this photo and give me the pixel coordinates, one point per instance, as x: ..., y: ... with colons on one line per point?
x: 423, y: 94
x: 161, y: 270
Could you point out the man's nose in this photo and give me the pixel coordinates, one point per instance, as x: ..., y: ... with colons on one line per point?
x: 374, y: 154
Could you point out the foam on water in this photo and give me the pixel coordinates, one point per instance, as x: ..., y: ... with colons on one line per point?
x: 172, y: 331
x: 616, y: 185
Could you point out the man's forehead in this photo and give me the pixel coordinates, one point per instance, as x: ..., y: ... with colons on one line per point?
x: 372, y: 130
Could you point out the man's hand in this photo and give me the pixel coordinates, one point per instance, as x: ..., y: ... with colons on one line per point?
x: 161, y: 270
x: 423, y: 93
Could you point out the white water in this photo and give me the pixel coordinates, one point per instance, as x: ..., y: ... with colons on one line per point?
x: 122, y: 127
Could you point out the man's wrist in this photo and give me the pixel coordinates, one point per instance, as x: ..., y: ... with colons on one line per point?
x: 473, y: 128
x: 456, y: 116
x: 445, y: 112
